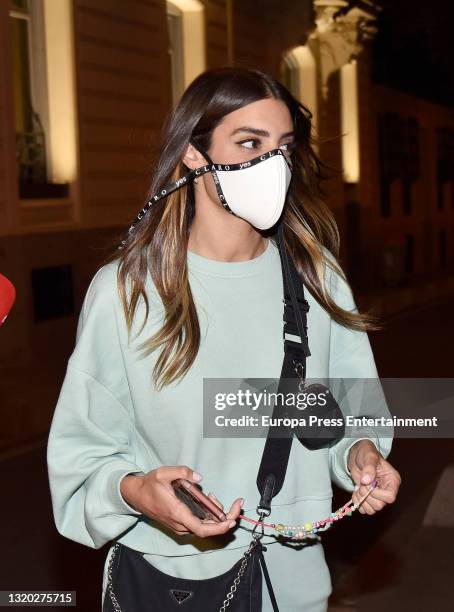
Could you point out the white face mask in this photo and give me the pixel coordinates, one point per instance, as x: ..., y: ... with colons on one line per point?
x: 254, y: 190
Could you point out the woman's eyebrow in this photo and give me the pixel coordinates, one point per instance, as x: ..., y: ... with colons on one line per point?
x: 258, y: 132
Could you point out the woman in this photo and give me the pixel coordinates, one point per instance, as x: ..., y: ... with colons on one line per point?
x: 200, y: 296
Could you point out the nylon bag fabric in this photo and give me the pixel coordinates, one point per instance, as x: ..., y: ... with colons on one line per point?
x: 138, y: 586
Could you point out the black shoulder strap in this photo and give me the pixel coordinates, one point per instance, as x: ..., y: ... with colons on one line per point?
x: 273, y: 466
x: 267, y: 578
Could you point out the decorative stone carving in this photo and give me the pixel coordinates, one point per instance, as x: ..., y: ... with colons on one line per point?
x: 341, y: 33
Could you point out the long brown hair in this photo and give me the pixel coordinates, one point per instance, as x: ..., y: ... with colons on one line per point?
x: 159, y: 242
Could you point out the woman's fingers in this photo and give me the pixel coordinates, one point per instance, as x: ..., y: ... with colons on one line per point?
x: 235, y: 509
x: 389, y: 479
x: 374, y: 501
x: 206, y: 529
x: 181, y: 514
x: 385, y: 493
x: 380, y: 495
x: 180, y: 529
x: 167, y: 473
x: 366, y: 508
x: 213, y: 497
x: 371, y: 504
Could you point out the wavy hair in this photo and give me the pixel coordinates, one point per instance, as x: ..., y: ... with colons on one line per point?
x: 159, y: 243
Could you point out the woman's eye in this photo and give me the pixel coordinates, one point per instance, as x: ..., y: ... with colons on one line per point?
x: 253, y: 144
x: 245, y: 142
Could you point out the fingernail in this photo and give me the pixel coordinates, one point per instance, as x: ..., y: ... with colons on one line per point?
x: 241, y: 502
x: 232, y: 523
x: 196, y: 476
x: 356, y: 487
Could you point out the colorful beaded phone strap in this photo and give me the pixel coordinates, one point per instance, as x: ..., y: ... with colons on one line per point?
x: 298, y: 532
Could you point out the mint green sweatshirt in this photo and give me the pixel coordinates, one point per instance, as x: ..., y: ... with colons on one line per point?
x: 110, y: 420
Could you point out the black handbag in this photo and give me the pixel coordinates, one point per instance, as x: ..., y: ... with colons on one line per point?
x: 138, y: 586
x: 135, y: 585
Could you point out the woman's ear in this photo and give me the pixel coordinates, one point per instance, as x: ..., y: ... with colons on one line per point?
x: 192, y: 158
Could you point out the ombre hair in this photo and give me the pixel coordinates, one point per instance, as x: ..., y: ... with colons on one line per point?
x: 159, y: 243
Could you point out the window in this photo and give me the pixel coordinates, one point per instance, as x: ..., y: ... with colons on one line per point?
x: 443, y: 248
x: 53, y: 295
x: 385, y: 170
x: 30, y: 103
x: 409, y: 253
x: 411, y: 170
x: 44, y: 97
x: 390, y: 138
x: 444, y: 163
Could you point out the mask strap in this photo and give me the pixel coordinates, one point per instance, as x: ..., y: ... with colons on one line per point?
x: 202, y: 151
x: 215, y: 176
x: 163, y: 193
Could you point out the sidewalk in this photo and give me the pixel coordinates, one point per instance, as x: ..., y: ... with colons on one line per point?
x: 402, y: 560
x: 410, y: 568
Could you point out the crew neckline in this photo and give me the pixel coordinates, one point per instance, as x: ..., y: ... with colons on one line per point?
x: 216, y: 267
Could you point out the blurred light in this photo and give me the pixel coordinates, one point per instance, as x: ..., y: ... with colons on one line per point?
x: 350, y: 122
x: 193, y: 38
x: 302, y: 60
x: 62, y: 141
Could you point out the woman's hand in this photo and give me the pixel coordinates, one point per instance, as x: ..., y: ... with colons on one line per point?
x: 366, y: 464
x: 153, y: 496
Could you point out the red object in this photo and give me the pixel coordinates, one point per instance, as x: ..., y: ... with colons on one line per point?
x: 7, y: 297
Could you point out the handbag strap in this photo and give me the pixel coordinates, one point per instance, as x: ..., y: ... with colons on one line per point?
x: 273, y: 466
x: 267, y: 578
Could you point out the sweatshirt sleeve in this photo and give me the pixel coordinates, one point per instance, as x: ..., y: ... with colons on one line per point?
x: 351, y: 361
x: 89, y: 445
